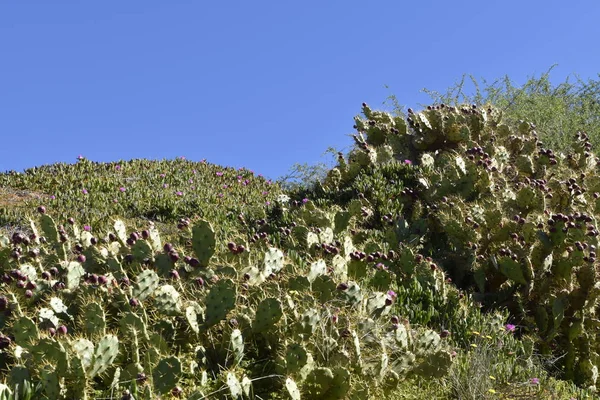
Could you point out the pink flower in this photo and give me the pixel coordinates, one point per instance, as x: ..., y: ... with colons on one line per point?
x: 122, y: 189
x: 509, y: 327
x: 179, y: 193
x: 191, y: 181
x: 220, y: 194
x: 265, y: 193
x: 118, y: 167
x: 535, y: 381
x: 84, y: 191
x: 163, y: 175
x: 194, y: 171
x: 392, y: 294
x: 87, y: 228
x: 182, y: 158
x: 115, y: 201
x: 408, y: 162
x: 80, y: 157
x: 304, y: 200
x: 268, y: 203
x: 219, y: 174
x: 165, y: 185
x: 52, y: 197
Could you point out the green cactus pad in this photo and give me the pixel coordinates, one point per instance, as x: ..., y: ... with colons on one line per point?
x: 220, y: 301
x: 94, y: 319
x: 316, y: 268
x: 25, y: 331
x: 292, y: 389
x: 142, y: 250
x: 106, y: 351
x: 274, y: 261
x: 203, y: 242
x: 236, y: 343
x: 268, y: 313
x: 167, y: 300
x: 167, y: 374
x: 146, y: 283
x: 234, y: 385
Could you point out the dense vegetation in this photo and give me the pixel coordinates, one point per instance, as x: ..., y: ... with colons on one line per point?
x: 449, y: 254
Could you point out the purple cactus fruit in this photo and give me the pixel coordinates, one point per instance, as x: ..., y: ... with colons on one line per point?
x: 200, y: 281
x: 41, y: 209
x: 71, y: 221
x: 394, y: 320
x: 145, y: 234
x: 5, y: 342
x: 81, y: 258
x: 174, y: 256
x: 231, y: 246
x: 233, y: 323
x: 141, y: 377
x: 93, y: 241
x: 59, y: 286
x: 34, y: 253
x: 240, y: 249
x: 133, y: 302
x: 51, y: 331
x: 342, y: 286
x: 174, y: 274
x: 168, y: 247
x: 444, y: 333
x: 102, y: 280
x: 389, y: 301
x: 3, y: 303
x: 177, y: 391
x: 28, y: 294
x: 112, y: 237
x: 62, y: 330
x: 124, y: 282
x: 130, y: 242
x: 21, y: 284
x: 31, y: 285
x: 46, y: 275
x: 194, y: 262
x: 134, y: 236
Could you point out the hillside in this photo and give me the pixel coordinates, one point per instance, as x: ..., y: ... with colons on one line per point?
x: 448, y: 255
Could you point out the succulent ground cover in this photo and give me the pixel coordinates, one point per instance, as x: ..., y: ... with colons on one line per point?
x: 447, y: 255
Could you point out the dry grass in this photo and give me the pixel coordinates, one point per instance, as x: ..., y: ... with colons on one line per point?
x: 14, y: 198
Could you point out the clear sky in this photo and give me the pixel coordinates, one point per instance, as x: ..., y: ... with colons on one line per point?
x: 259, y: 84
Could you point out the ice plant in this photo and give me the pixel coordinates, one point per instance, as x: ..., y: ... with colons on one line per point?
x: 509, y: 327
x: 407, y: 162
x: 87, y: 228
x: 122, y: 189
x: 84, y: 191
x: 219, y: 174
x: 179, y: 193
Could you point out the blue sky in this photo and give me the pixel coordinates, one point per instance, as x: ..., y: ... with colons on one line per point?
x: 261, y: 84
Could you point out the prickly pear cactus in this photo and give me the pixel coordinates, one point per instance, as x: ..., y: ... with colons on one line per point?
x: 203, y: 242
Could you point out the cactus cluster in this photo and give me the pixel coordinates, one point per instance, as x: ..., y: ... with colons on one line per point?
x: 376, y: 276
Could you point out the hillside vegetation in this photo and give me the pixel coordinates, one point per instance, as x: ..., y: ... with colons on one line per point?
x: 447, y: 255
